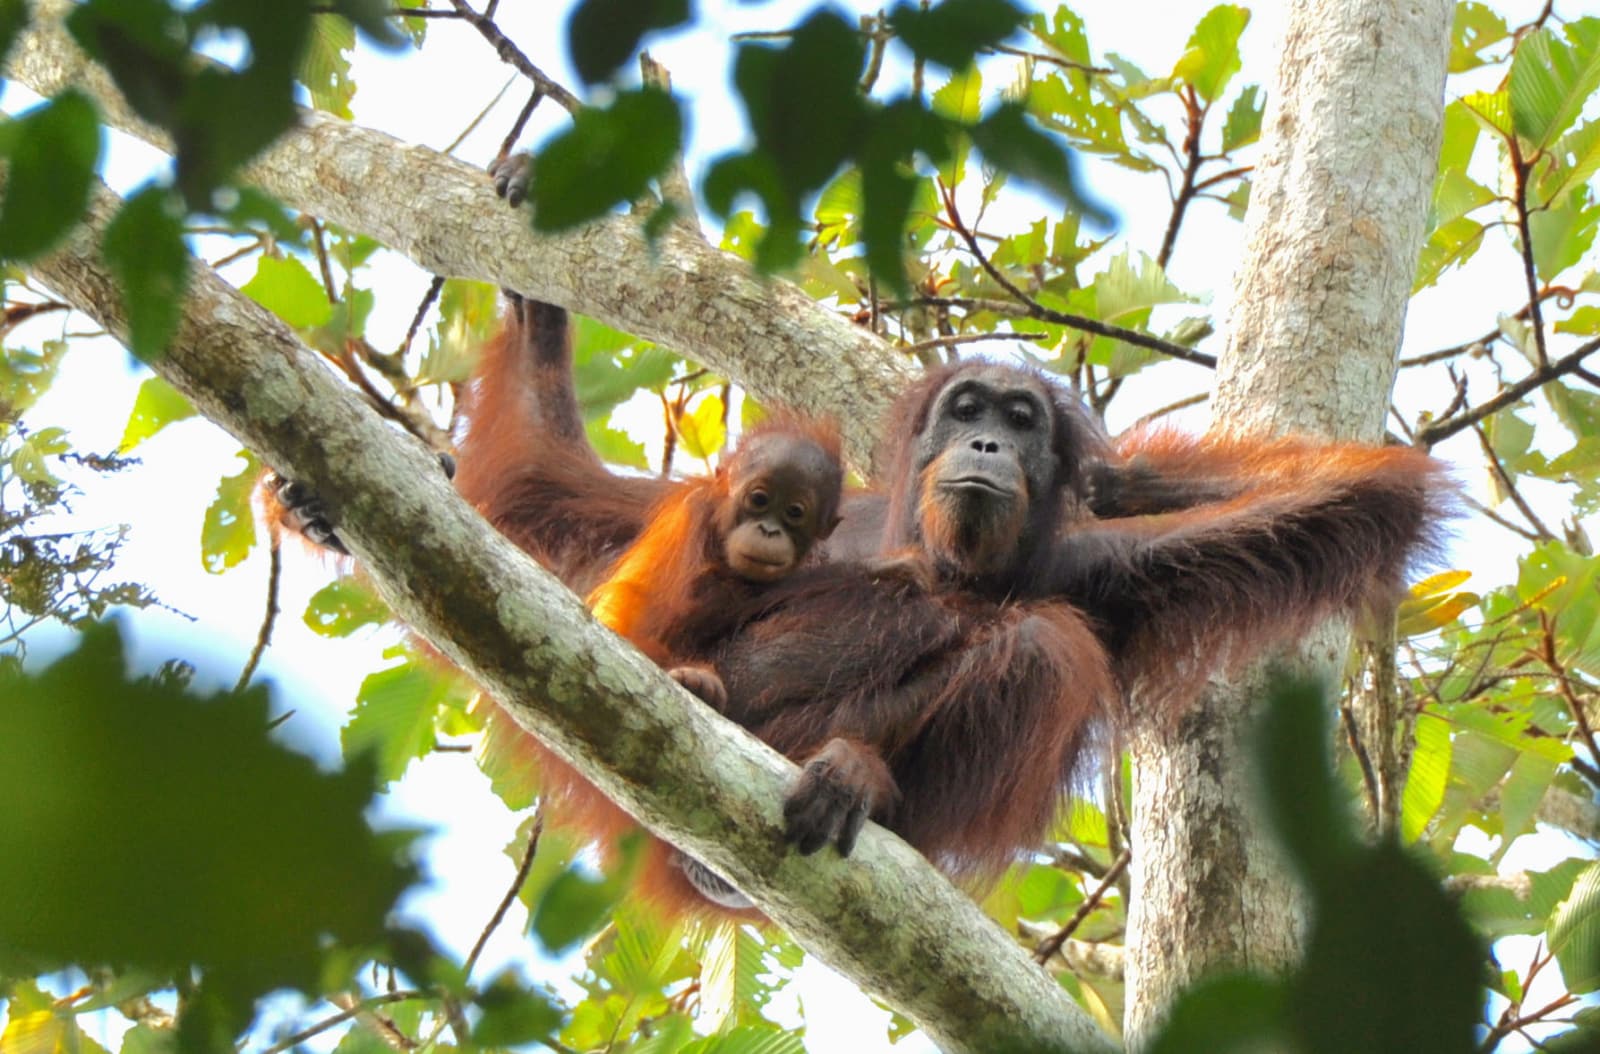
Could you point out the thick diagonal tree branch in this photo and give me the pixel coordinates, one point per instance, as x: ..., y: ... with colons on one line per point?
x: 885, y: 918
x: 680, y: 292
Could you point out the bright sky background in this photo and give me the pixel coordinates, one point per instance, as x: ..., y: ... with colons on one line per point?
x: 429, y: 98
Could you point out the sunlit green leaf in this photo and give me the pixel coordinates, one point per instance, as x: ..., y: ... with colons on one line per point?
x: 325, y: 70
x: 701, y: 431
x: 1492, y: 110
x: 51, y: 153
x: 25, y: 375
x: 284, y: 286
x: 1552, y: 79
x: 1243, y: 125
x: 395, y: 714
x: 343, y: 606
x: 157, y: 405
x: 28, y: 460
x: 1476, y: 27
x: 1577, y: 157
x: 1564, y: 233
x: 1575, y: 933
x: 229, y: 532
x: 1448, y: 246
x: 1430, y: 767
x: 1212, y: 57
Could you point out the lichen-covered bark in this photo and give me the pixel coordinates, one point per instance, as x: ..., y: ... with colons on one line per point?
x: 884, y: 918
x: 680, y: 292
x: 1350, y: 143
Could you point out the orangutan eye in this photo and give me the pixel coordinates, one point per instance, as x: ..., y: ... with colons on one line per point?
x: 758, y: 499
x: 965, y: 409
x: 1021, y: 416
x: 795, y: 513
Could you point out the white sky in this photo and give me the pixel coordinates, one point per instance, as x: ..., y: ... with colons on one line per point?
x: 429, y: 98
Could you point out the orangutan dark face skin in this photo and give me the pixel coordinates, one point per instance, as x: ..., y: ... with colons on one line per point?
x: 783, y: 497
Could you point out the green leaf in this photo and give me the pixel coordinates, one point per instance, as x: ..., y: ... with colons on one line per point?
x: 1476, y: 27
x: 1304, y: 803
x: 286, y: 288
x: 575, y: 905
x: 144, y: 248
x: 1525, y: 787
x: 606, y: 158
x: 740, y: 973
x: 1425, y: 782
x: 1564, y: 233
x: 1552, y: 79
x: 1212, y: 57
x: 1575, y: 933
x: 1228, y: 1013
x: 952, y: 32
x: 1387, y: 939
x: 343, y: 606
x: 513, y: 1014
x: 372, y: 18
x: 960, y: 101
x: 601, y: 34
x: 229, y: 532
x: 25, y: 375
x: 52, y: 151
x: 1492, y: 110
x: 157, y: 405
x: 1576, y: 157
x: 38, y: 1024
x: 28, y: 460
x: 614, y: 445
x: 1243, y: 125
x: 1011, y: 142
x: 1460, y: 137
x: 701, y: 431
x: 1448, y: 246
x: 147, y: 827
x: 394, y: 718
x: 749, y: 1039
x: 325, y: 70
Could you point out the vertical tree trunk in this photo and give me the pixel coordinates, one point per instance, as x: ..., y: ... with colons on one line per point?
x: 1336, y: 221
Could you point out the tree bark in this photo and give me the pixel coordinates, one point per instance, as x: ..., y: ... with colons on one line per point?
x: 884, y: 917
x: 1337, y: 214
x: 442, y: 213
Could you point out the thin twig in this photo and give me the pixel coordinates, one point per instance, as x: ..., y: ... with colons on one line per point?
x: 428, y: 298
x: 1194, y: 117
x: 1440, y: 430
x: 511, y: 894
x: 1535, y: 316
x: 1054, y: 60
x: 509, y: 143
x: 264, y: 635
x: 343, y: 1016
x: 1509, y: 485
x: 512, y: 55
x: 1051, y: 945
x: 968, y: 338
x: 478, y: 117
